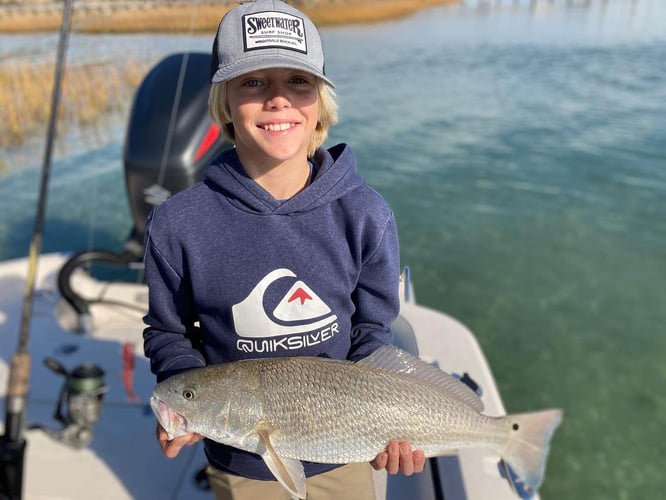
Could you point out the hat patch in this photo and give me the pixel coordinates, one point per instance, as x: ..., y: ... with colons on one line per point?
x: 270, y: 30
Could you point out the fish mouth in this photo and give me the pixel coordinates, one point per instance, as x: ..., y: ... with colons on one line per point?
x: 171, y: 421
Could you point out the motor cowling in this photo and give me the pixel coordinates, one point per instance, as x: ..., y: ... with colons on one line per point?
x: 170, y: 138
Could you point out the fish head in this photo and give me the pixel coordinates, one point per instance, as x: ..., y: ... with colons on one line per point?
x: 193, y: 401
x: 174, y: 401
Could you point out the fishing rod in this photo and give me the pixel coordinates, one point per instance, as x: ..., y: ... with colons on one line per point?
x: 13, y: 443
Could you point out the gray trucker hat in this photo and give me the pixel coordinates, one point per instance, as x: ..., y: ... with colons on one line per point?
x: 266, y: 34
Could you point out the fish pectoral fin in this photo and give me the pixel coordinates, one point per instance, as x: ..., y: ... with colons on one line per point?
x: 288, y: 471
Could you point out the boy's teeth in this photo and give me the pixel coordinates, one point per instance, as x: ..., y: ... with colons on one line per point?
x: 277, y: 126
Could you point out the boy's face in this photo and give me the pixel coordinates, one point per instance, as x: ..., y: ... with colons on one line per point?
x: 275, y: 113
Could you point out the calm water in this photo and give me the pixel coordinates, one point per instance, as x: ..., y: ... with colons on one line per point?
x: 522, y: 146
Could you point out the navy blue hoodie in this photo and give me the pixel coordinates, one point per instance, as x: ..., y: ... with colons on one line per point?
x: 235, y: 274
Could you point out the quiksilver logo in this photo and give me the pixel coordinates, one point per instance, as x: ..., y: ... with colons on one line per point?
x: 263, y: 30
x: 300, y: 314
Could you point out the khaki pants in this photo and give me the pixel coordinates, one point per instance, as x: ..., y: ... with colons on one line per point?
x: 349, y: 482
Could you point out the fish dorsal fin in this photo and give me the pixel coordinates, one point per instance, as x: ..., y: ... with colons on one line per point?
x: 288, y: 471
x: 395, y: 360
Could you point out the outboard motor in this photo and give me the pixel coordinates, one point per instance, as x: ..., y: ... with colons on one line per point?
x: 170, y: 141
x: 170, y: 138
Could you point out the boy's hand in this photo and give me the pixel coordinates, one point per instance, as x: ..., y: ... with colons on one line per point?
x: 400, y: 457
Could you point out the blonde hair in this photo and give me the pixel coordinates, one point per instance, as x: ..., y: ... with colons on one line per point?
x: 218, y: 107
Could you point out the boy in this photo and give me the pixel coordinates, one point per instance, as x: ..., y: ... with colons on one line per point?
x: 282, y: 250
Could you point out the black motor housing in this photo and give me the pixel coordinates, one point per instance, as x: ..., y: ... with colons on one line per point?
x: 170, y: 138
x: 170, y: 141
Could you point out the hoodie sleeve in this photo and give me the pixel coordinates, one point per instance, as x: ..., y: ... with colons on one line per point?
x: 171, y: 337
x: 376, y: 296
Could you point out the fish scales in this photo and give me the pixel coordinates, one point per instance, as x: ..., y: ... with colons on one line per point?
x: 357, y: 412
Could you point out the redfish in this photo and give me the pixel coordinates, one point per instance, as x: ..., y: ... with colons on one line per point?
x: 336, y: 411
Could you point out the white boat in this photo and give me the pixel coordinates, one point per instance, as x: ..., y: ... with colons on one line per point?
x: 90, y: 432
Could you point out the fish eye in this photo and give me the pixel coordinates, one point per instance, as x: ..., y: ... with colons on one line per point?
x: 188, y: 394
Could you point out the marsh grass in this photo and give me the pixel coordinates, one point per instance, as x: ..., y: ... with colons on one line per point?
x: 174, y: 19
x: 89, y: 93
x: 367, y: 11
x: 197, y: 18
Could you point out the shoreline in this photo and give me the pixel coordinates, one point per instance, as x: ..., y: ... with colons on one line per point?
x: 182, y: 18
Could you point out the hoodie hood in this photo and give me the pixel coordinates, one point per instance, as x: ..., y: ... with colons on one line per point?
x: 336, y: 176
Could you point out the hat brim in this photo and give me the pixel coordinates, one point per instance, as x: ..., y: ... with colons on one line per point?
x: 247, y: 65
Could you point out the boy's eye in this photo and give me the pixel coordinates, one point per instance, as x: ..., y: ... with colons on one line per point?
x: 300, y: 80
x: 252, y: 83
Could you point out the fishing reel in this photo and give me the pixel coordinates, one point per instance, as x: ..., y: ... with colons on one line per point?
x: 79, y: 404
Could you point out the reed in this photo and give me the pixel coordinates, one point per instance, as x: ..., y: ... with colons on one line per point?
x: 198, y: 18
x: 367, y: 11
x: 89, y: 94
x: 172, y: 19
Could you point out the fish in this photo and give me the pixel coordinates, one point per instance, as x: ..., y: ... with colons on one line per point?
x: 294, y: 409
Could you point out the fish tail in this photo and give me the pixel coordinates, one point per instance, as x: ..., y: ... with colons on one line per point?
x: 527, y: 450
